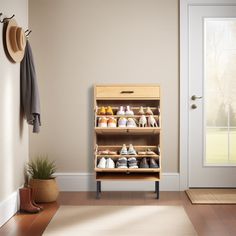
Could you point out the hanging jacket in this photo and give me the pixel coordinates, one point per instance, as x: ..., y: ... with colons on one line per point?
x: 30, y: 103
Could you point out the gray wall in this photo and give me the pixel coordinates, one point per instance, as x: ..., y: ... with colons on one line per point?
x: 13, y: 130
x: 78, y: 43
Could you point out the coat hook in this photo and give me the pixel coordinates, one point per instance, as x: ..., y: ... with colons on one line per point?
x: 28, y: 32
x: 1, y: 17
x: 6, y: 18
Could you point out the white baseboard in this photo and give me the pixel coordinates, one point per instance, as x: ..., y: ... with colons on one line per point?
x: 86, y: 182
x: 8, y: 208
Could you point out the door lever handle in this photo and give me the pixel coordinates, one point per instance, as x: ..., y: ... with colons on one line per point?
x: 194, y: 97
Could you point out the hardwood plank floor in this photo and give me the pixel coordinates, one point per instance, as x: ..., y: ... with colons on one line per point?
x: 208, y: 220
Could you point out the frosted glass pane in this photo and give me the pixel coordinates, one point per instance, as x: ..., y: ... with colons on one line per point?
x: 220, y: 90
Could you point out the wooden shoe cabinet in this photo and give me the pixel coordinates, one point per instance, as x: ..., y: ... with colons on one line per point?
x: 142, y: 138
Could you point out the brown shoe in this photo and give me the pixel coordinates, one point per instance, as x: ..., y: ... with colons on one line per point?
x: 144, y: 163
x: 153, y: 163
x: 25, y: 201
x: 32, y: 197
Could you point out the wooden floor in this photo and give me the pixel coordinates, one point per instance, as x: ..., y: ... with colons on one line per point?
x: 207, y: 219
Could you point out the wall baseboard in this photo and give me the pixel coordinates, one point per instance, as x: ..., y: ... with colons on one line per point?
x: 86, y: 182
x: 8, y: 207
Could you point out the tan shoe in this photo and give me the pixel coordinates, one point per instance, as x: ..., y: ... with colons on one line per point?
x: 141, y: 111
x: 149, y: 111
x: 109, y: 111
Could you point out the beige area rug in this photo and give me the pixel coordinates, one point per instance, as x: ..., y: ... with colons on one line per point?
x: 212, y: 196
x: 120, y: 221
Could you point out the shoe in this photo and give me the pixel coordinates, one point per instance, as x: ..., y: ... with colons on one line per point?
x: 32, y: 197
x: 141, y: 153
x: 110, y: 163
x: 26, y: 204
x: 112, y: 152
x: 150, y: 152
x: 129, y: 111
x: 153, y: 163
x: 151, y: 121
x: 122, y: 163
x: 133, y: 164
x: 102, y: 111
x: 158, y: 150
x: 141, y: 111
x: 109, y: 111
x: 111, y: 123
x: 102, y: 163
x: 121, y: 111
x: 123, y: 150
x: 131, y: 150
x: 103, y: 152
x: 122, y: 122
x: 144, y: 163
x: 142, y: 121
x: 149, y: 111
x: 102, y: 122
x: 131, y: 123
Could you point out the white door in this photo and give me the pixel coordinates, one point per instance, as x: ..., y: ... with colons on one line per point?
x: 212, y: 96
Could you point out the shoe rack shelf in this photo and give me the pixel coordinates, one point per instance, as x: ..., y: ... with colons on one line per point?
x: 107, y: 139
x: 137, y: 130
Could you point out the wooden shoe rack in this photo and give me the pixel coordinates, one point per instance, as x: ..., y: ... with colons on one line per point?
x: 142, y: 138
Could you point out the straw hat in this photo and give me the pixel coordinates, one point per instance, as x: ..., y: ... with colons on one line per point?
x: 15, y: 41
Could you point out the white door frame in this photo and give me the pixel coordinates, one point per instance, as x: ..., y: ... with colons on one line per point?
x: 184, y: 84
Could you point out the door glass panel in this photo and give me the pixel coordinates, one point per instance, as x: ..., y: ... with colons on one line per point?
x: 220, y: 91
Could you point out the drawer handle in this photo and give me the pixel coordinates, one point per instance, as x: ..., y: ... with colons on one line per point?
x: 127, y: 91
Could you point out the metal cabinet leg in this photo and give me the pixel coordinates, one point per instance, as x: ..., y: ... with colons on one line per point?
x: 157, y: 188
x: 98, y: 189
x: 100, y: 186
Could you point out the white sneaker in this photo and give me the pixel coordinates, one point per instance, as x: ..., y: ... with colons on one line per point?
x: 129, y: 111
x: 122, y: 122
x: 121, y: 111
x: 131, y: 123
x: 131, y: 150
x: 102, y: 163
x: 110, y: 163
x: 123, y: 150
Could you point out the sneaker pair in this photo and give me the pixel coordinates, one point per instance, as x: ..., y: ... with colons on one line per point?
x: 123, y: 122
x: 148, y: 152
x: 105, y: 111
x: 131, y: 150
x: 148, y: 111
x: 104, y: 122
x: 106, y: 163
x: 152, y: 163
x: 124, y: 163
x: 107, y: 152
x: 128, y: 111
x: 151, y: 121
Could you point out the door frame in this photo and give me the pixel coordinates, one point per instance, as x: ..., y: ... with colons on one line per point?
x: 184, y: 82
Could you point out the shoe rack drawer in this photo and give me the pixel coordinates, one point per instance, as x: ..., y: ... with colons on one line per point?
x: 127, y: 92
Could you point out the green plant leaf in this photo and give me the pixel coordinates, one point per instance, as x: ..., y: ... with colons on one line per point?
x: 41, y: 168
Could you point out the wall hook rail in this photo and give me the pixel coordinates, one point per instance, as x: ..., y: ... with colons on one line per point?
x: 28, y: 32
x: 6, y: 18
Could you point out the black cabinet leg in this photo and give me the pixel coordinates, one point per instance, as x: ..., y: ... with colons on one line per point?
x: 157, y: 188
x: 98, y: 189
x: 100, y: 186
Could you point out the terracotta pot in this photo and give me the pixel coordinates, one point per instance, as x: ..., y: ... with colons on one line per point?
x: 45, y: 190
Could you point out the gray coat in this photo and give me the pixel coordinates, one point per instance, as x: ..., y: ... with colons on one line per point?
x: 30, y: 103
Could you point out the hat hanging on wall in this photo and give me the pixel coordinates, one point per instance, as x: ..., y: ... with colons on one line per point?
x: 15, y: 41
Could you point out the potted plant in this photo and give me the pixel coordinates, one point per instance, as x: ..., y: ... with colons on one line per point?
x: 42, y: 181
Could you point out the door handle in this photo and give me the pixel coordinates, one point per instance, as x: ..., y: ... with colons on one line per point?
x: 194, y: 97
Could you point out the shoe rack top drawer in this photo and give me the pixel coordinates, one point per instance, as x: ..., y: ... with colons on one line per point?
x: 127, y: 92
